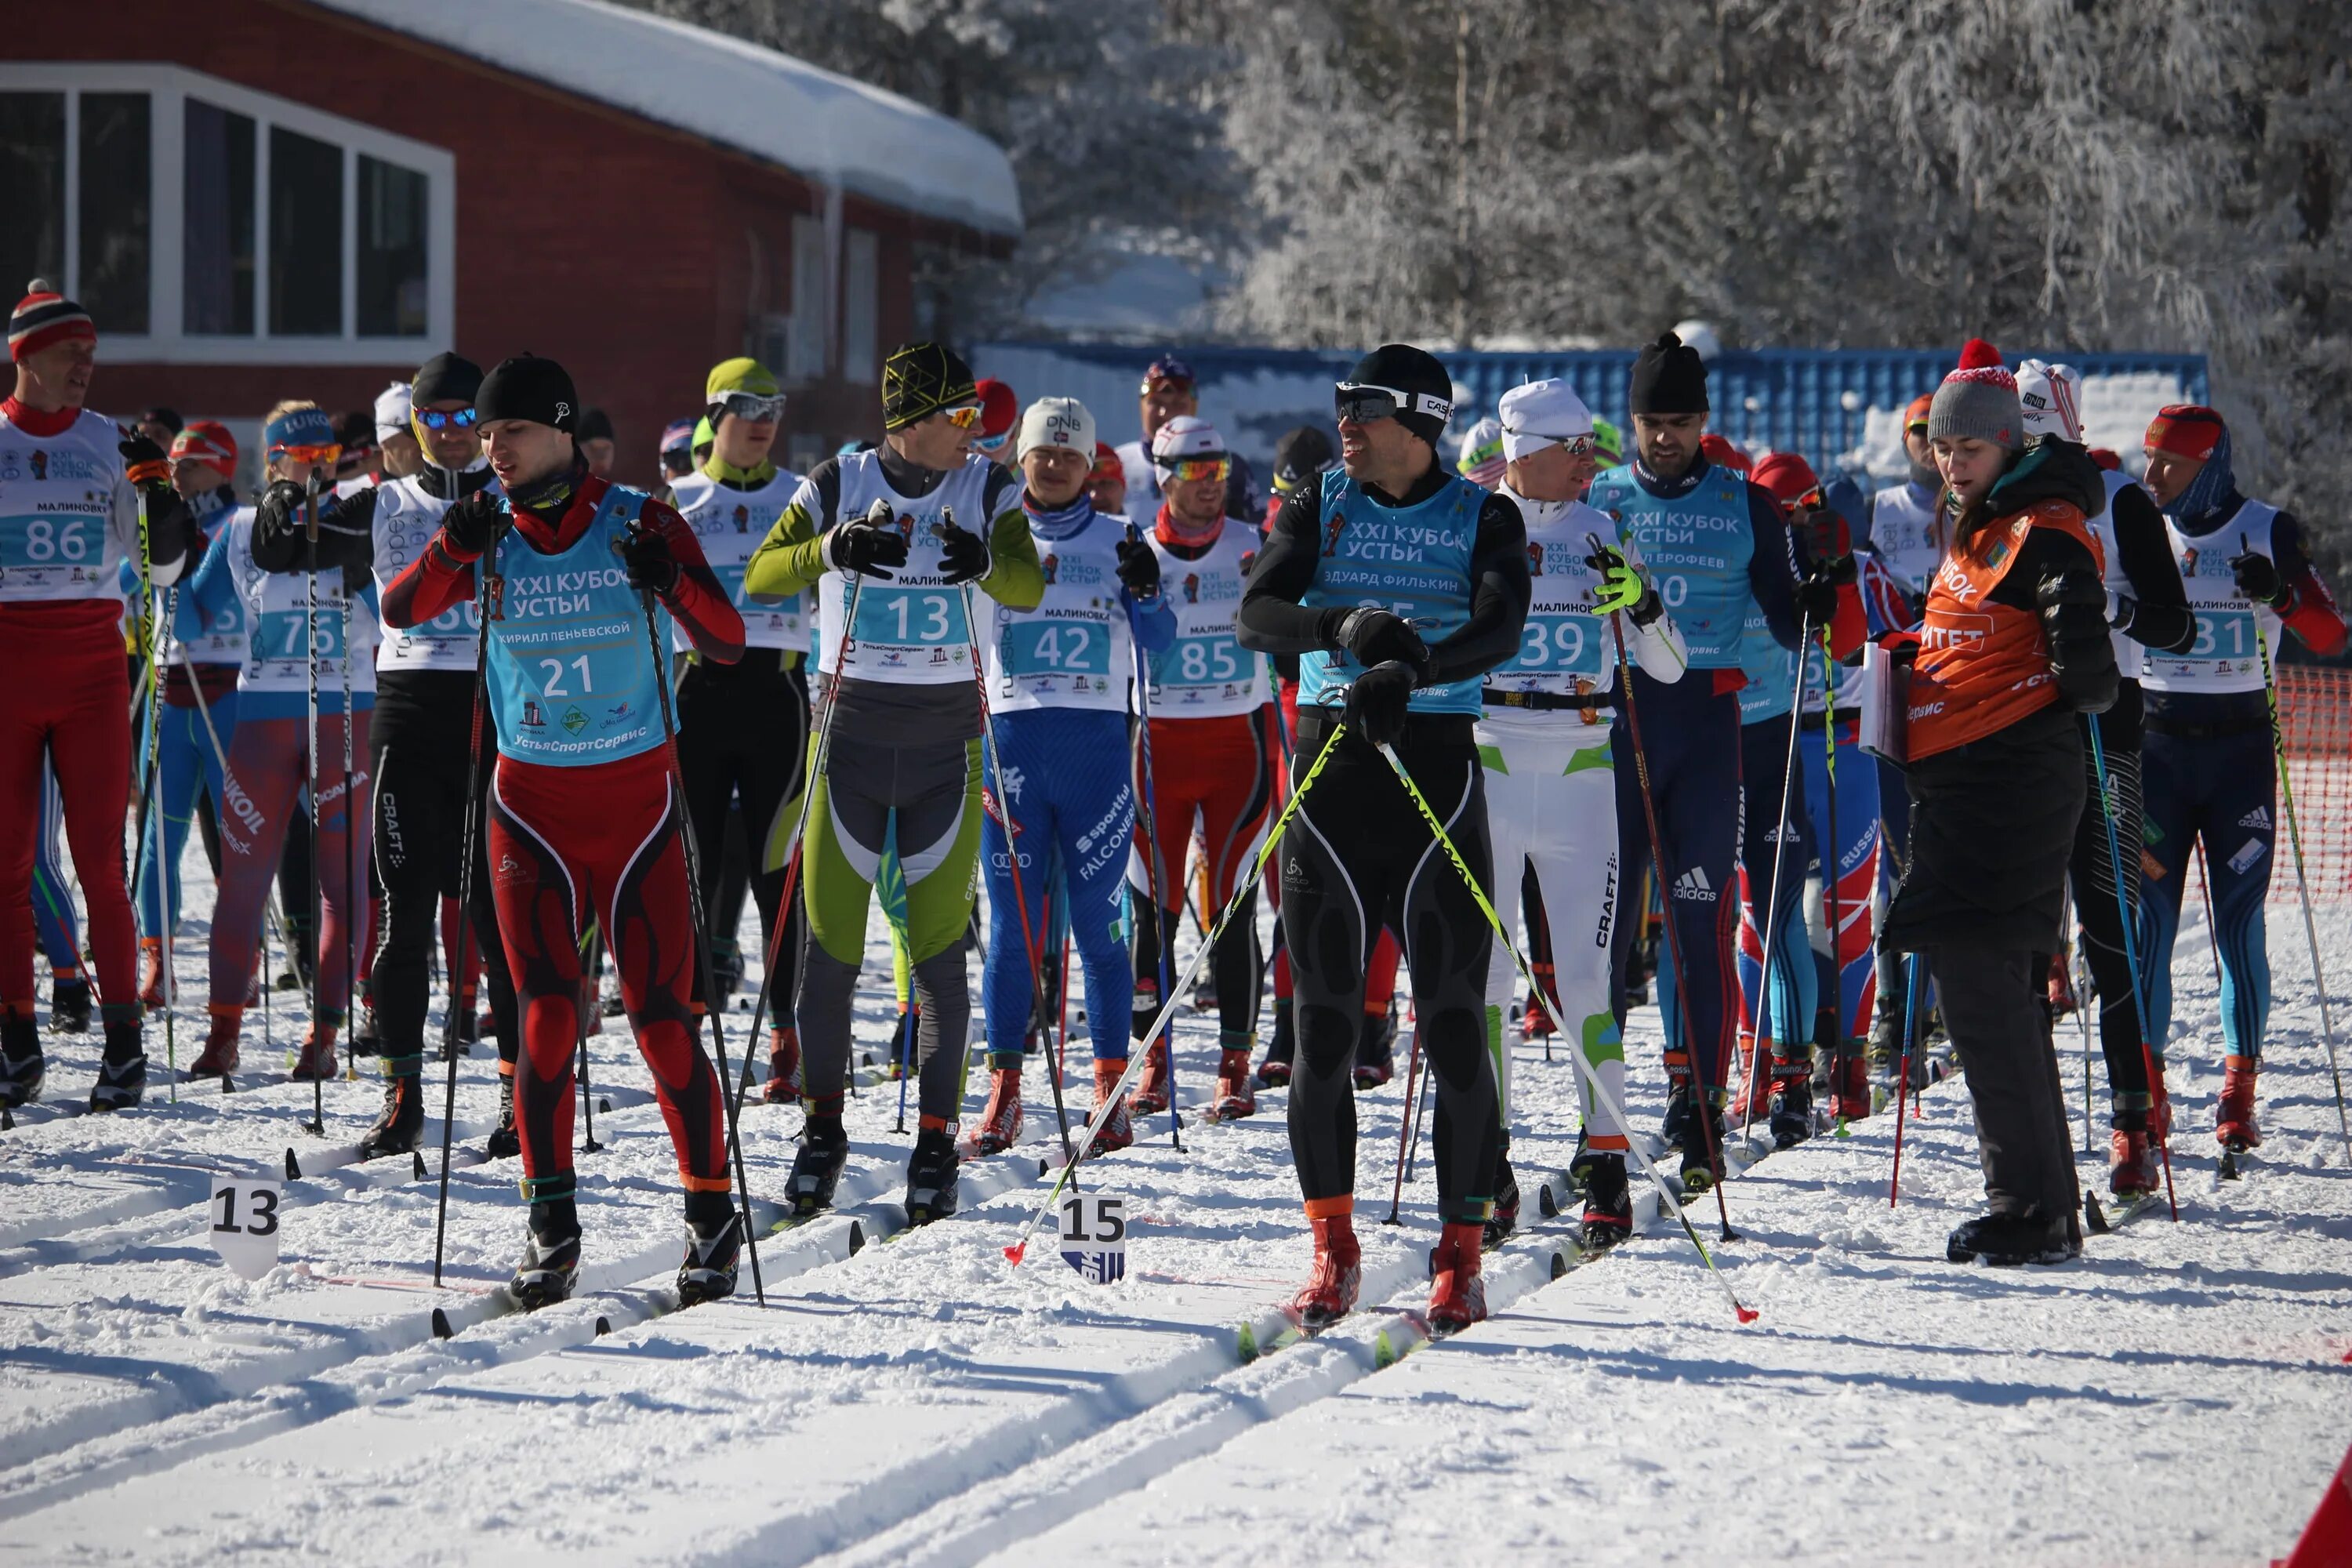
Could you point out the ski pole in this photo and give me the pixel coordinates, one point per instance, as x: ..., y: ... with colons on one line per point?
x: 355, y: 899
x: 1404, y: 1120
x: 1004, y: 814
x: 2205, y: 891
x: 1135, y: 1059
x: 829, y: 702
x: 1701, y: 1089
x: 2131, y: 956
x: 1910, y: 1040
x: 712, y: 1008
x: 318, y: 893
x: 1781, y: 830
x: 1420, y: 1109
x: 490, y: 593
x: 1833, y: 857
x: 1526, y: 972
x: 2302, y: 884
x: 159, y: 658
x: 1155, y: 871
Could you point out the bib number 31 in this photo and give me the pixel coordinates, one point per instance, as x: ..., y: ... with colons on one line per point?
x: 244, y: 1225
x: 1094, y: 1237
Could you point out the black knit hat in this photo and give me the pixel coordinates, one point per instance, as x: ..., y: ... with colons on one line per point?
x: 1668, y: 378
x: 1298, y: 457
x: 920, y: 379
x: 1403, y: 368
x: 595, y: 424
x: 529, y: 387
x: 446, y: 378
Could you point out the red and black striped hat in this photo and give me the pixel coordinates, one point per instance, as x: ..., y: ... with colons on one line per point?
x: 43, y: 317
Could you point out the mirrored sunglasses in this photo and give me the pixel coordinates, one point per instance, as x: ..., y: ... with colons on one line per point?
x: 446, y: 418
x: 752, y: 407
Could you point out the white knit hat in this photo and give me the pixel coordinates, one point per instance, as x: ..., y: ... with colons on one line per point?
x: 1056, y: 422
x: 392, y: 406
x: 2051, y: 398
x: 1539, y: 413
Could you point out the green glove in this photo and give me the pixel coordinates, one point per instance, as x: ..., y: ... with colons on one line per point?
x: 1621, y: 586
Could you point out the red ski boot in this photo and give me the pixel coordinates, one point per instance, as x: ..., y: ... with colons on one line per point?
x: 1118, y: 1130
x: 151, y: 971
x: 1849, y: 1084
x: 318, y: 1057
x: 1236, y: 1094
x: 1753, y: 1102
x: 1000, y: 1124
x: 2059, y: 988
x: 2131, y: 1164
x: 1331, y: 1294
x: 784, y: 1084
x: 219, y: 1057
x: 1457, y: 1296
x: 2235, y: 1120
x: 1153, y: 1089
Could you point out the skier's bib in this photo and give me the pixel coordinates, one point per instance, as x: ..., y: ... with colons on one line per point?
x: 1697, y: 546
x: 1414, y: 561
x: 572, y: 680
x: 196, y: 639
x: 729, y: 524
x: 1564, y: 649
x: 910, y: 630
x: 1206, y: 673
x: 1073, y: 650
x: 1909, y: 533
x: 2225, y: 656
x: 283, y: 631
x: 57, y: 499
x: 407, y: 519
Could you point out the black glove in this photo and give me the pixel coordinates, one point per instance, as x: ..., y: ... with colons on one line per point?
x: 468, y: 528
x: 1817, y: 597
x: 2258, y: 579
x: 864, y: 545
x: 2124, y: 610
x: 279, y: 511
x: 1375, y: 635
x: 144, y: 463
x: 962, y: 552
x: 1377, y: 702
x: 1138, y: 568
x: 646, y: 553
x: 2082, y: 655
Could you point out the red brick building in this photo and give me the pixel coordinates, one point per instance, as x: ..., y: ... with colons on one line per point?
x: 260, y: 199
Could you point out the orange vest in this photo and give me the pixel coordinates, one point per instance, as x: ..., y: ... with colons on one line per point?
x: 1983, y: 666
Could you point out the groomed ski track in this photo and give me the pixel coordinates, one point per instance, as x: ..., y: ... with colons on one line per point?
x: 2178, y: 1397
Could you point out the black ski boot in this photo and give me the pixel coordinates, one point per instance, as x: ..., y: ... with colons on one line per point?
x: 122, y: 1070
x: 1608, y: 1205
x: 1675, y: 1125
x: 396, y: 1130
x: 1702, y: 1147
x: 551, y: 1256
x: 365, y: 1038
x: 932, y: 1176
x: 1275, y: 1071
x: 69, y: 1005
x: 1579, y: 1167
x: 505, y: 1142
x: 1504, y: 1217
x: 21, y: 1065
x: 714, y: 1239
x: 816, y: 1169
x: 1792, y: 1111
x: 2005, y: 1241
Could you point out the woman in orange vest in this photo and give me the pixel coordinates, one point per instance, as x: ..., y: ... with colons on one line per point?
x: 2013, y: 644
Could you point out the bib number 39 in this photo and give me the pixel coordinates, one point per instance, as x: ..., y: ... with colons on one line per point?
x: 1094, y: 1237
x: 244, y: 1225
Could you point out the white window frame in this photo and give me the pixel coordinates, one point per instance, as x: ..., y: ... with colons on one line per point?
x: 809, y: 353
x: 861, y: 308
x: 168, y: 89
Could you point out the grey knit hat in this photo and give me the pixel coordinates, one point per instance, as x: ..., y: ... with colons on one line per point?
x: 1979, y: 399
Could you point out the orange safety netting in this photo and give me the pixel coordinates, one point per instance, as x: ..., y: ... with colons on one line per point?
x: 2316, y: 727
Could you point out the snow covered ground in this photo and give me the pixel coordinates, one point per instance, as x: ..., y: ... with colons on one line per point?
x: 2178, y: 1397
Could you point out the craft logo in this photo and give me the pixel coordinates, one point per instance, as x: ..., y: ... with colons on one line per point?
x: 1535, y: 559
x: 742, y: 520
x: 532, y: 719
x: 574, y: 721
x: 1053, y: 569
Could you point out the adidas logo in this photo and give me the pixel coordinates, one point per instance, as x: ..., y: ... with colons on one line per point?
x: 2259, y: 819
x: 1693, y: 884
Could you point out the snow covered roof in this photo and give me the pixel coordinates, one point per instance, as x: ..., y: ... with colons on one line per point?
x: 784, y: 110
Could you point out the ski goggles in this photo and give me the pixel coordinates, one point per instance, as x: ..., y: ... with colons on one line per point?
x: 324, y: 457
x: 1187, y: 471
x: 1361, y: 403
x: 1574, y: 446
x: 446, y: 418
x: 753, y: 406
x: 991, y: 445
x: 962, y: 418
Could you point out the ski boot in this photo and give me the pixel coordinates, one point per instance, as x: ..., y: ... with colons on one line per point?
x: 550, y: 1254
x: 69, y: 1005
x: 1791, y: 1105
x: 1118, y: 1130
x: 714, y: 1239
x: 1376, y: 1050
x: 1457, y: 1295
x: 219, y: 1057
x: 401, y: 1123
x: 2058, y: 992
x: 2131, y: 1163
x: 817, y: 1168
x: 151, y: 972
x: 366, y: 1038
x: 122, y: 1070
x: 1850, y: 1083
x: 1000, y: 1124
x: 1330, y: 1292
x: 1275, y: 1071
x: 472, y: 1022
x: 2234, y: 1122
x: 1153, y: 1090
x: 1702, y: 1149
x: 1236, y: 1095
x: 727, y: 967
x: 1580, y: 1166
x: 2006, y: 1241
x: 1608, y: 1203
x: 1535, y: 1023
x: 318, y: 1057
x: 932, y: 1176
x: 21, y: 1065
x: 1504, y: 1217
x: 504, y: 1142
x: 1753, y: 1101
x: 783, y: 1065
